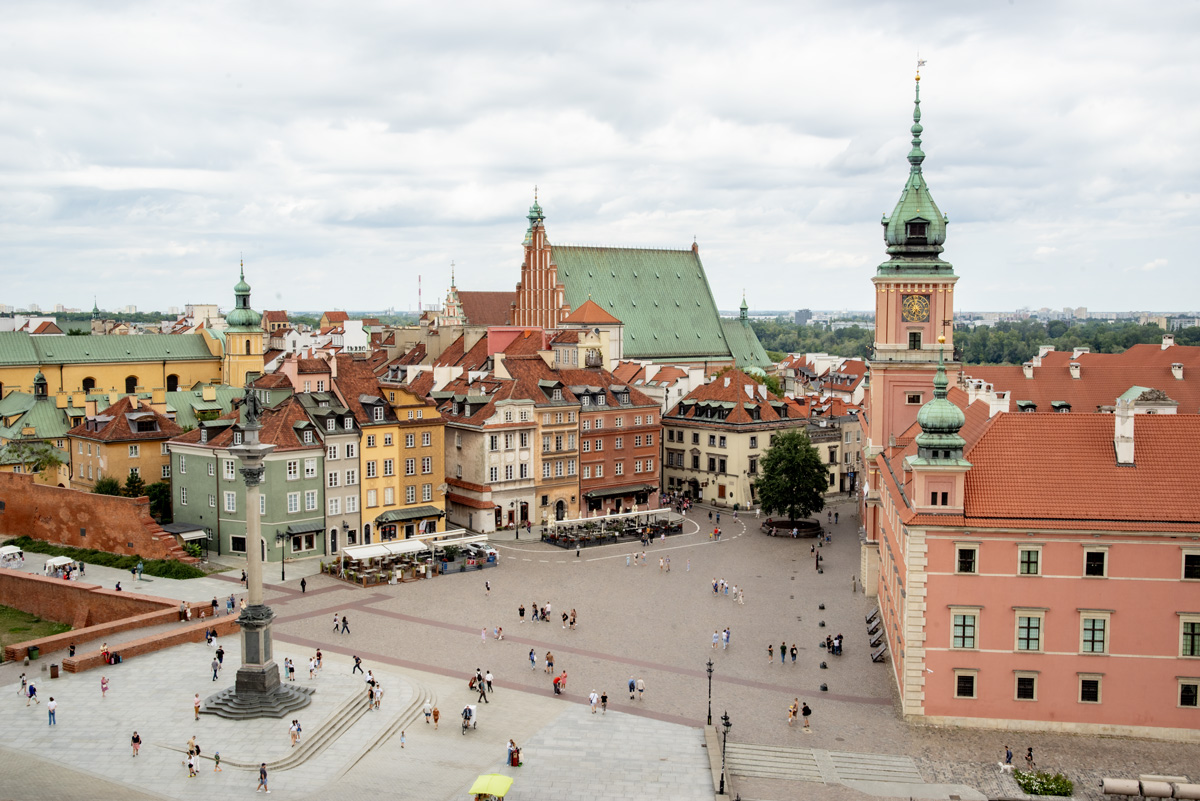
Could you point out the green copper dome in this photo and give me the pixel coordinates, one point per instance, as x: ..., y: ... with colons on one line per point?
x: 940, y: 420
x: 242, y: 316
x: 916, y: 229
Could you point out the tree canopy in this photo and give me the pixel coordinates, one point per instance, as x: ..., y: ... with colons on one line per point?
x: 794, y: 478
x: 36, y: 456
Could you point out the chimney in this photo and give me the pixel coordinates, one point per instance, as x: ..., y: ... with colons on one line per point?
x: 77, y: 399
x: 1177, y: 370
x: 113, y: 396
x: 1074, y: 369
x: 1044, y: 349
x: 60, y: 400
x: 1028, y: 368
x: 1168, y: 341
x: 726, y: 380
x: 1123, y: 434
x: 208, y: 392
x: 1075, y: 354
x: 158, y: 400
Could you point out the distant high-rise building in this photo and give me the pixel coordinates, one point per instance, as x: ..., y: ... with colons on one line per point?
x: 803, y: 316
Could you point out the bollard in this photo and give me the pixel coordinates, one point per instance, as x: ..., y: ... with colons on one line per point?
x: 821, y: 624
x: 824, y: 666
x: 824, y: 687
x: 820, y: 606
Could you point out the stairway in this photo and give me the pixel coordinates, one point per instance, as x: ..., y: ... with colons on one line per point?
x: 815, y: 765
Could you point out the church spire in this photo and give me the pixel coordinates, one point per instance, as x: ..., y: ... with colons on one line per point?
x: 940, y: 420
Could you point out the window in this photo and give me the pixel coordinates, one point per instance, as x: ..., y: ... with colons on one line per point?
x: 556, y: 395
x: 586, y: 425
x: 545, y: 470
x: 649, y: 419
x: 262, y: 505
x: 320, y: 385
x: 508, y: 472
x: 712, y: 440
x: 351, y: 504
x: 721, y: 441
x: 371, y: 471
x: 1026, y: 686
x: 619, y: 422
x: 410, y: 467
x: 912, y: 398
x: 1089, y: 688
x: 166, y: 470
x: 310, y: 467
x: 389, y: 467
x: 637, y: 441
x: 293, y: 502
x: 494, y: 442
x: 293, y: 469
x: 587, y: 471
x: 1191, y: 559
x: 649, y: 465
x: 182, y: 464
x: 1029, y: 630
x: 524, y: 470
x: 964, y: 633
x: 570, y: 442
x: 598, y: 445
x: 712, y: 464
x: 1094, y: 633
x: 426, y: 492
x: 372, y: 498
x: 934, y: 500
x: 389, y: 496
x: 348, y: 423
x: 558, y: 468
x: 966, y: 557
x: 1189, y: 635
x: 587, y: 446
x: 377, y: 414
x: 237, y: 544
x: 334, y: 505
x: 558, y: 442
x: 619, y: 443
x: 599, y: 423
x: 331, y: 452
x: 351, y: 478
x: 599, y: 471
x: 426, y: 439
x: 135, y: 471
x: 695, y: 462
x: 493, y: 474
x: 330, y: 424
x: 1095, y: 562
x: 308, y: 437
x: 183, y: 496
x: 410, y: 494
x: 570, y: 467
x: 695, y: 438
x: 914, y: 340
x: 619, y: 469
x: 1029, y: 561
x: 637, y: 466
x: 228, y: 471
x: 310, y: 500
x: 230, y: 501
x: 410, y: 440
x: 1189, y: 693
x: 964, y: 683
x: 332, y: 478
x: 212, y: 501
x: 135, y: 451
x: 649, y: 439
x: 370, y: 440
x: 601, y: 400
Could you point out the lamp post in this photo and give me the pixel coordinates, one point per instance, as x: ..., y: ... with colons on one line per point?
x: 725, y: 724
x: 281, y: 541
x: 710, y: 668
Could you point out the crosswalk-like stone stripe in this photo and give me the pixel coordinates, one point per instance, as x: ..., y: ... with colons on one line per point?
x: 806, y: 764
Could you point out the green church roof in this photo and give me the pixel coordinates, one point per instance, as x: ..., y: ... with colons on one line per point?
x: 19, y: 348
x: 661, y: 296
x: 744, y: 345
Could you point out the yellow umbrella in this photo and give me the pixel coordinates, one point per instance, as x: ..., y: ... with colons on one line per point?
x: 492, y: 783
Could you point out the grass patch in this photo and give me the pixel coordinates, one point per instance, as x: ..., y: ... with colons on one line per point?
x: 17, y: 626
x: 1042, y: 783
x: 161, y: 568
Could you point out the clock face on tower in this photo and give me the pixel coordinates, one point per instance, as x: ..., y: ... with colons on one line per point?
x: 915, y: 308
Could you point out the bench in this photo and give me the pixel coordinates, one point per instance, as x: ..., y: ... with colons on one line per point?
x: 872, y: 629
x: 878, y: 654
x: 1147, y: 787
x: 874, y: 616
x: 878, y: 638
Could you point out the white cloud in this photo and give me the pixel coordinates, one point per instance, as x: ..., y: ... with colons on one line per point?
x: 346, y: 149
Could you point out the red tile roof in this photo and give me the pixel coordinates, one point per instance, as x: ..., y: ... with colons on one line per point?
x: 463, y: 500
x: 736, y: 388
x: 487, y: 308
x: 278, y: 428
x: 48, y: 327
x: 117, y: 427
x: 312, y: 366
x: 590, y: 313
x: 355, y: 378
x: 275, y: 316
x: 415, y: 355
x: 336, y: 316
x: 273, y: 381
x: 1103, y: 377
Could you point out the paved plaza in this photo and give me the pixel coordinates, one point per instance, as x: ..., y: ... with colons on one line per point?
x: 423, y: 639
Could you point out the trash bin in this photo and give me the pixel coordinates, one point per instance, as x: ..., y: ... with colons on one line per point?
x: 53, y: 671
x: 34, y: 651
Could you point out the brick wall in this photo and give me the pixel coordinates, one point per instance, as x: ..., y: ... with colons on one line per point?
x: 192, y: 632
x: 82, y: 519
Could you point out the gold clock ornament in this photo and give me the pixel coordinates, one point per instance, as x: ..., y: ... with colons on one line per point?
x: 915, y: 308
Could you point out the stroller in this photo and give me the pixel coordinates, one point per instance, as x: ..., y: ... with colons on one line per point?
x: 469, y: 718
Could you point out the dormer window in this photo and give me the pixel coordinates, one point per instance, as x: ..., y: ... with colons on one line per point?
x: 556, y: 395
x: 237, y: 437
x: 377, y: 414
x: 916, y: 230
x: 584, y: 400
x: 625, y: 397
x: 330, y: 424
x: 348, y: 423
x: 600, y: 399
x: 308, y: 437
x: 204, y: 435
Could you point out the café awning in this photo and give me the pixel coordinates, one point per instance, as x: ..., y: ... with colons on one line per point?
x: 404, y: 515
x: 388, y: 548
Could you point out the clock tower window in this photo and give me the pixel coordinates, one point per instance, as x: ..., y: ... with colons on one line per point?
x: 915, y: 231
x: 914, y: 340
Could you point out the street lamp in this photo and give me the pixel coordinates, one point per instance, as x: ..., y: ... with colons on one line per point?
x: 710, y: 668
x: 281, y: 541
x: 726, y: 725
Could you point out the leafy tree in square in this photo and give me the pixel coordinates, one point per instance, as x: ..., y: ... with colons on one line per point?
x: 794, y: 478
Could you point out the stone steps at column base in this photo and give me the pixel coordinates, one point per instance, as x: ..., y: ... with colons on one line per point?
x: 278, y: 704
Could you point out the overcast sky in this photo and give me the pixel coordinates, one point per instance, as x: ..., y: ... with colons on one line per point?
x: 346, y: 148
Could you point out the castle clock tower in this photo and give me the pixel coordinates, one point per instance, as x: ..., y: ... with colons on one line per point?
x: 914, y: 304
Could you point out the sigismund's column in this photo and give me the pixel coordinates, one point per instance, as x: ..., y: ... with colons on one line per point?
x: 257, y: 692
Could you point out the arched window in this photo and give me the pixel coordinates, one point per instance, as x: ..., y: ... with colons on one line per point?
x: 88, y: 384
x: 172, y: 383
x: 131, y: 383
x: 247, y: 347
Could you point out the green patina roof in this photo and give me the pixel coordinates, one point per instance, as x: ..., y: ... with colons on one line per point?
x: 24, y: 410
x: 940, y: 420
x: 19, y: 348
x: 744, y: 345
x: 661, y: 296
x: 915, y: 254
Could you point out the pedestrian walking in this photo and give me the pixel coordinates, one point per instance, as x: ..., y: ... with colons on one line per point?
x: 1007, y: 755
x: 191, y: 766
x: 214, y: 606
x: 793, y: 653
x: 196, y: 705
x: 572, y: 623
x: 741, y: 597
x: 336, y: 621
x: 564, y: 619
x: 593, y: 701
x: 549, y: 662
x: 357, y: 666
x: 217, y: 762
x: 262, y: 778
x: 716, y: 637
x: 293, y: 732
x: 641, y: 687
x: 303, y: 586
x: 805, y: 712
x: 220, y: 657
x: 626, y: 560
x: 215, y: 667
x: 735, y: 591
x: 604, y: 703
x: 1029, y: 763
x: 770, y: 653
x: 488, y: 679
x: 403, y: 739
x: 482, y: 693
x: 632, y: 687
x: 243, y: 578
x: 103, y: 687
x: 22, y: 691
x: 532, y: 659
x: 783, y: 653
x: 661, y: 564
x: 487, y: 589
x: 668, y: 561
x: 835, y: 518
x: 521, y: 611
x: 792, y: 708
x: 725, y: 639
x: 689, y: 566
x: 436, y: 714
x: 483, y: 636
x: 31, y: 694
x: 135, y: 743
x: 345, y: 625
x: 428, y: 710
x: 52, y: 705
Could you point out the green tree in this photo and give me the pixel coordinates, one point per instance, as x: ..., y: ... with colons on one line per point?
x: 107, y: 485
x: 160, y: 501
x: 36, y: 456
x: 77, y: 332
x: 134, y: 486
x: 794, y: 478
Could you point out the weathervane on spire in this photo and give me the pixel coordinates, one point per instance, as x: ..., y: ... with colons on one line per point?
x: 535, y: 193
x: 920, y: 63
